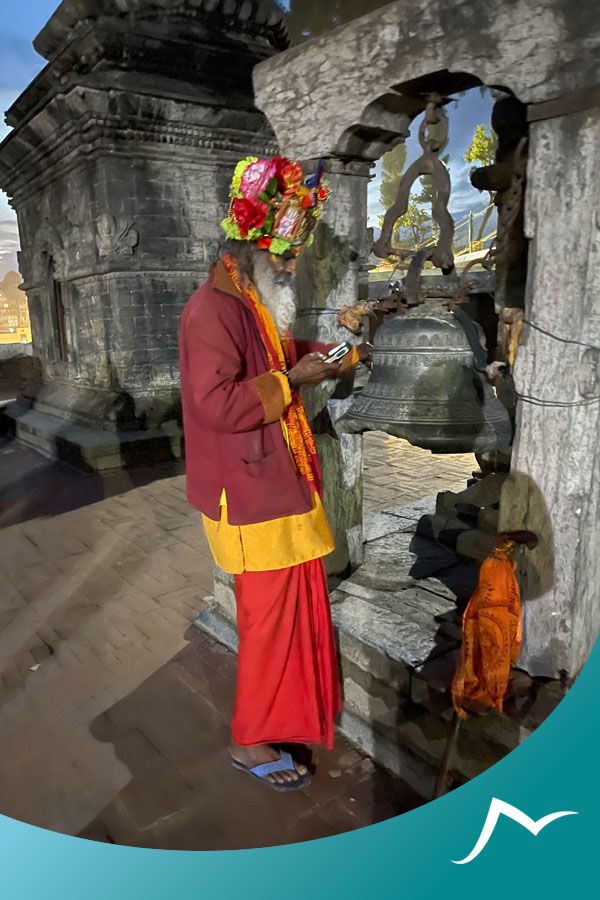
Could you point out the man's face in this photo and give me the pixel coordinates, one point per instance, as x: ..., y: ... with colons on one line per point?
x: 284, y: 267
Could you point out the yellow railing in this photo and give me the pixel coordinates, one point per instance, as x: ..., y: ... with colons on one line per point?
x: 470, y: 246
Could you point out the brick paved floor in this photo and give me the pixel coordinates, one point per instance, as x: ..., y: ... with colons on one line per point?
x: 113, y: 710
x: 396, y: 473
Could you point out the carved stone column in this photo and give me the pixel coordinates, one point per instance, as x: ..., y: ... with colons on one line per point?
x: 554, y: 488
x: 328, y: 278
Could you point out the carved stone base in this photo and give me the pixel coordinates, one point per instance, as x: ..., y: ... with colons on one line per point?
x: 86, y: 448
x: 104, y: 408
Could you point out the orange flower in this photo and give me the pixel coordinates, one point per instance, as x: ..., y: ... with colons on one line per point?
x: 292, y: 176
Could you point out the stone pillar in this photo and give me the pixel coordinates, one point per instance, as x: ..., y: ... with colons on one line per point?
x: 554, y: 487
x: 328, y: 278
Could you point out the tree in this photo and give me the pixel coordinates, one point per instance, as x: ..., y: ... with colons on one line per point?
x: 483, y: 150
x: 309, y: 18
x: 392, y: 167
x: 415, y: 225
x: 412, y: 228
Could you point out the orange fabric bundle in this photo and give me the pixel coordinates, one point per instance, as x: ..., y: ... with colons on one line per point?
x: 491, y: 634
x: 300, y: 437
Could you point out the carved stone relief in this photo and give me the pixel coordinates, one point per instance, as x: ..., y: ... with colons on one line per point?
x: 212, y: 250
x: 115, y: 236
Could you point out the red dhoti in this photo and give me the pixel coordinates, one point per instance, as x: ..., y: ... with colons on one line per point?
x: 287, y: 684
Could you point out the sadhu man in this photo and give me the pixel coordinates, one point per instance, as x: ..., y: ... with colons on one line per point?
x: 253, y: 470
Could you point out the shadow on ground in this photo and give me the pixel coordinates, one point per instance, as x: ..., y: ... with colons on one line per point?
x: 172, y: 733
x: 32, y: 485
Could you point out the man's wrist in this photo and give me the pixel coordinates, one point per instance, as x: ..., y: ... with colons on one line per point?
x: 289, y: 378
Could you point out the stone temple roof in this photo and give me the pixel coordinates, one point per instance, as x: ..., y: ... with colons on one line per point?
x: 263, y: 19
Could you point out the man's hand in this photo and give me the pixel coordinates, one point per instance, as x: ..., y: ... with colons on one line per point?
x: 312, y: 370
x: 365, y: 353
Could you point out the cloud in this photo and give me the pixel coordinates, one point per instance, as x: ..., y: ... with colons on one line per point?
x: 9, y: 242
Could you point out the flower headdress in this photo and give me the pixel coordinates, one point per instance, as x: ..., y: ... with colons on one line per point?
x: 273, y: 205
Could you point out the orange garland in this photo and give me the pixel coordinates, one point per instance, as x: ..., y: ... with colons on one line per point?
x: 491, y: 634
x: 300, y: 437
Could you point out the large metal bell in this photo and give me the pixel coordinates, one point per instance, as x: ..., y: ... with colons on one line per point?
x: 424, y: 387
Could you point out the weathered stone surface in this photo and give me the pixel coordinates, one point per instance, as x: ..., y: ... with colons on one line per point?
x: 484, y: 492
x: 395, y: 628
x: 416, y: 773
x: 329, y: 273
x: 414, y: 511
x: 216, y: 625
x: 496, y: 729
x: 224, y: 591
x: 437, y: 673
x: 418, y: 730
x: 377, y: 525
x: 554, y: 489
x: 547, y: 698
x: 472, y: 756
x: 89, y: 449
x: 367, y: 696
x: 369, y: 659
x: 476, y: 544
x: 404, y: 43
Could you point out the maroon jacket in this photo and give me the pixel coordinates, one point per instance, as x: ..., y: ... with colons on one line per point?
x: 232, y: 406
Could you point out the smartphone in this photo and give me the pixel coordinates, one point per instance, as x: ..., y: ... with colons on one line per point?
x: 336, y: 353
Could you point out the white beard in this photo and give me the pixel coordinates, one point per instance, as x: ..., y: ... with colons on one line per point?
x: 280, y: 299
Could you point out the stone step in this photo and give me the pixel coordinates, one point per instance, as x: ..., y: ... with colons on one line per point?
x: 86, y: 448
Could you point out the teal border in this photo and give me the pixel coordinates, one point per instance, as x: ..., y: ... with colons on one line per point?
x: 409, y: 856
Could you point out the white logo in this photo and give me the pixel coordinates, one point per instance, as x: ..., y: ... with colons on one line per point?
x: 498, y: 808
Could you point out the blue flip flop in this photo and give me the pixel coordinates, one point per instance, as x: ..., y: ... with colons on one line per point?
x: 284, y: 763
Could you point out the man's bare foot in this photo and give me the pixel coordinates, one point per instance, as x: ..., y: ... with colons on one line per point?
x: 265, y: 753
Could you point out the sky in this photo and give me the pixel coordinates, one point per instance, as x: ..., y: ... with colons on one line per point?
x: 22, y: 20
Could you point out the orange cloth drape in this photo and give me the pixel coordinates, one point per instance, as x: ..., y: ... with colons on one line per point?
x: 299, y: 435
x: 287, y: 685
x: 491, y: 634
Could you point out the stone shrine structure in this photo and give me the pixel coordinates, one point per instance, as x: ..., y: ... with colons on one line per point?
x: 118, y: 166
x: 356, y: 92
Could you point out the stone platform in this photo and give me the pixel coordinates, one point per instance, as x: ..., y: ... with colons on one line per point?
x: 88, y: 449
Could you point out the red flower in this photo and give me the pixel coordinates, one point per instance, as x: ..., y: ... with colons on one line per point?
x: 324, y: 193
x: 264, y: 242
x: 249, y: 215
x: 280, y: 163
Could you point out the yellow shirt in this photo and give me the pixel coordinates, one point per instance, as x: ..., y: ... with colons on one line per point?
x: 269, y: 545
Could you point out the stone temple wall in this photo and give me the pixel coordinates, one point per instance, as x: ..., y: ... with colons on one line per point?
x: 118, y: 166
